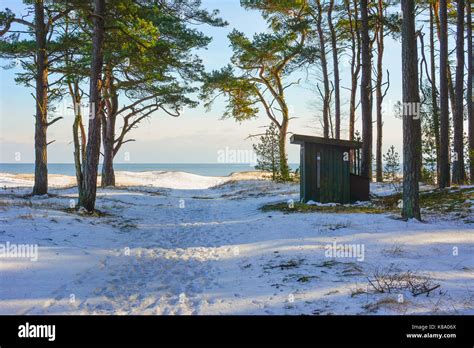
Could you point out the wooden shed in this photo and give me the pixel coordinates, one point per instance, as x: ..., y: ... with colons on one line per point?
x: 330, y: 170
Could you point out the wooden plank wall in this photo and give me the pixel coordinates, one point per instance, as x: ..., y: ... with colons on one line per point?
x: 335, y: 179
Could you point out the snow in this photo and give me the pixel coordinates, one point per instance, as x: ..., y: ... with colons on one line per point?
x: 319, y: 204
x: 172, y: 180
x: 178, y: 243
x: 27, y: 180
x: 382, y: 189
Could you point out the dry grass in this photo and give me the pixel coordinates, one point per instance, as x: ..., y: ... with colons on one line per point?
x: 25, y: 217
x: 394, y: 250
x: 387, y: 302
x: 358, y: 291
x: 306, y: 208
x: 435, y: 201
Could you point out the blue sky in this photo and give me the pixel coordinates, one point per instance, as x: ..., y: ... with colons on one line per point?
x: 197, y: 135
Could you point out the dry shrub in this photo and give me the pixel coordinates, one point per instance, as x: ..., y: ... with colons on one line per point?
x: 388, y: 280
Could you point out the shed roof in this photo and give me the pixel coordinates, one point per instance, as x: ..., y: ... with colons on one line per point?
x: 300, y: 139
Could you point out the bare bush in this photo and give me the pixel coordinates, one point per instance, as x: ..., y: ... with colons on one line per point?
x: 388, y: 280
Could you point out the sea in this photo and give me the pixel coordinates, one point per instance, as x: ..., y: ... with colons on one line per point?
x: 205, y: 169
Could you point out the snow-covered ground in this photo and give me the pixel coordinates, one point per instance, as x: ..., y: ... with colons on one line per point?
x: 177, y: 243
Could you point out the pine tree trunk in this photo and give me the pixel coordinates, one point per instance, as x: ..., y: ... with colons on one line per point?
x: 470, y: 90
x: 274, y: 146
x: 450, y: 86
x: 434, y: 90
x: 444, y: 168
x: 324, y: 69
x: 378, y: 93
x: 93, y: 144
x: 108, y: 129
x: 284, y: 169
x: 411, y: 120
x: 366, y: 94
x: 78, y: 128
x: 108, y: 174
x: 458, y: 117
x: 335, y: 59
x: 355, y: 63
x: 451, y: 90
x: 41, y: 118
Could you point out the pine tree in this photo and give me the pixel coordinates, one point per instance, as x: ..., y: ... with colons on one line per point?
x: 88, y: 190
x: 35, y: 46
x: 257, y: 77
x: 411, y: 122
x: 470, y: 118
x: 444, y: 166
x: 459, y: 175
x: 268, y: 153
x: 366, y: 92
x: 392, y: 165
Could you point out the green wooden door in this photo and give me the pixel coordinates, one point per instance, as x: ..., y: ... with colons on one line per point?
x: 334, y: 185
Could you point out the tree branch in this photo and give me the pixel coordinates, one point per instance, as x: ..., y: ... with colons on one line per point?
x: 54, y: 121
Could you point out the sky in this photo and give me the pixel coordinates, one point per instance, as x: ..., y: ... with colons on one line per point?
x: 198, y: 135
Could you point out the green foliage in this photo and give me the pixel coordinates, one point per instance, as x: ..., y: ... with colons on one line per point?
x: 467, y: 156
x: 18, y: 47
x: 241, y: 93
x: 149, y: 50
x: 268, y: 153
x: 428, y: 147
x: 392, y: 165
x: 282, y: 15
x: 5, y: 17
x: 262, y: 63
x: 256, y: 78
